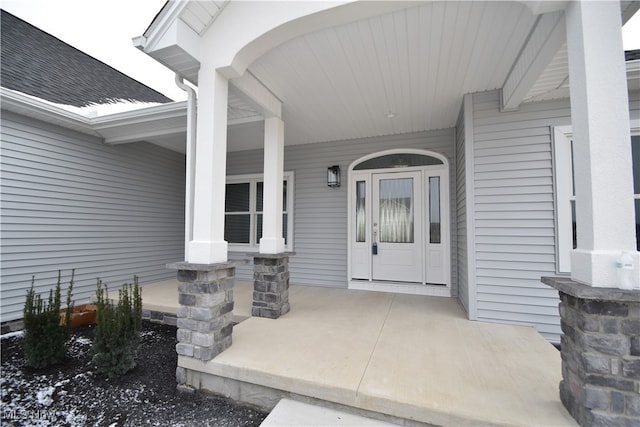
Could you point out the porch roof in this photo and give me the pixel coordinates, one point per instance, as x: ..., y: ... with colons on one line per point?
x: 352, y: 72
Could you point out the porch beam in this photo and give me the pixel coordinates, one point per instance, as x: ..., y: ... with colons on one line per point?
x: 272, y: 241
x: 208, y: 245
x: 257, y: 95
x: 543, y: 43
x: 544, y: 6
x: 142, y: 136
x: 602, y: 150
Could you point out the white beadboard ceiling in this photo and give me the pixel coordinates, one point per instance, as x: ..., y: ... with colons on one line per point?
x: 199, y: 15
x: 402, y: 72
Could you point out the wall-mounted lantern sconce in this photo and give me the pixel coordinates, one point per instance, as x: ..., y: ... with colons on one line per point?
x: 333, y: 176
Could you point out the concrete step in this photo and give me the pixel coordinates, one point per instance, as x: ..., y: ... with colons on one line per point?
x: 297, y: 414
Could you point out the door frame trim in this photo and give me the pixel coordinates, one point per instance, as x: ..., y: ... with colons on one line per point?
x: 387, y: 286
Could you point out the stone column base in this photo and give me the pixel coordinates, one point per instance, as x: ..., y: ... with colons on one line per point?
x: 205, y: 309
x: 600, y: 353
x: 270, y: 285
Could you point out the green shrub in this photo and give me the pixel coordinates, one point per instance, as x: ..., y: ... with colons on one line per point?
x: 45, y: 334
x: 117, y: 330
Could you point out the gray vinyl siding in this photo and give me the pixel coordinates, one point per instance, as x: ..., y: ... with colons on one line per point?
x: 461, y: 214
x: 71, y: 202
x: 320, y: 212
x: 514, y: 212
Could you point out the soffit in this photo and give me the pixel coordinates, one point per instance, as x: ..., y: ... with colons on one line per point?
x: 199, y: 15
x: 553, y: 83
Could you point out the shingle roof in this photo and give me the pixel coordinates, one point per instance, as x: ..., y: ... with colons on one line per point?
x: 36, y: 63
x: 632, y: 55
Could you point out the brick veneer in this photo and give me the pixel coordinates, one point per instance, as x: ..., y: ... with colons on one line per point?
x: 600, y: 349
x: 270, y: 285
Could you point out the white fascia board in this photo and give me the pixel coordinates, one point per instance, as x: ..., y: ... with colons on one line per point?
x: 157, y: 112
x: 172, y: 42
x: 130, y: 137
x: 544, y: 41
x: 137, y: 125
x: 178, y: 49
x: 178, y: 34
x: 42, y: 110
x: 160, y: 25
x: 257, y: 95
x: 100, y: 126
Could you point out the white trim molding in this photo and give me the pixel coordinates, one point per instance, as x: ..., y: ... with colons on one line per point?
x: 469, y: 159
x: 562, y: 179
x: 252, y: 179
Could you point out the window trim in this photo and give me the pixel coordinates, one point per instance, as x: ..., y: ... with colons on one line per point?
x: 563, y: 193
x: 253, y: 179
x: 562, y: 179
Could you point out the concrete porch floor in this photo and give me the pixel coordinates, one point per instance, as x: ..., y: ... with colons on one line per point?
x: 412, y: 357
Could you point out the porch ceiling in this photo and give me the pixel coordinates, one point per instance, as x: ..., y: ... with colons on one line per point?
x: 405, y: 71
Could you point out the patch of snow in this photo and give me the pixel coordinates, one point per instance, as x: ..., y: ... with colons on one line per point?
x: 43, y: 397
x: 96, y: 110
x: 61, y: 383
x: 12, y: 334
x: 83, y: 340
x: 145, y: 334
x: 118, y: 106
x: 75, y: 420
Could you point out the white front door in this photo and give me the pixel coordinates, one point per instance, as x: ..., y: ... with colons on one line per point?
x: 397, y: 227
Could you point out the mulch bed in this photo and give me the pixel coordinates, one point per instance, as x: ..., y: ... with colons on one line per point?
x: 73, y: 394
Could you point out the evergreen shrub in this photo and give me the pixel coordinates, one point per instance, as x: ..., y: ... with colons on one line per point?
x: 46, y: 333
x: 117, y: 330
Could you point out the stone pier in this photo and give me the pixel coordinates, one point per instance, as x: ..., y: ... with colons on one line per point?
x: 205, y: 311
x: 600, y: 353
x: 270, y: 285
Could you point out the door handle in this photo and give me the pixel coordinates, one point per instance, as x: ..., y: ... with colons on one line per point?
x: 374, y: 247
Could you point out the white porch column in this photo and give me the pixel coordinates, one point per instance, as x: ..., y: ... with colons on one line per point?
x: 272, y: 241
x: 208, y: 245
x: 602, y: 148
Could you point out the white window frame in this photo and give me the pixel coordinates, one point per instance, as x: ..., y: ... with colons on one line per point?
x: 562, y: 166
x: 563, y: 182
x: 252, y: 180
